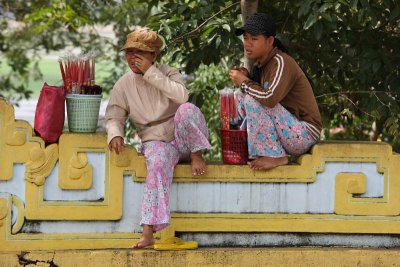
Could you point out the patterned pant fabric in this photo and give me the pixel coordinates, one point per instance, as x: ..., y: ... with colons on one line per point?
x: 191, y: 135
x: 273, y: 132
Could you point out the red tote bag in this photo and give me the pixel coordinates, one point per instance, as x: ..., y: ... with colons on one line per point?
x: 50, y: 113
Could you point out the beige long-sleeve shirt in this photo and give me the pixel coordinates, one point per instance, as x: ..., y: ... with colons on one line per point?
x: 150, y: 100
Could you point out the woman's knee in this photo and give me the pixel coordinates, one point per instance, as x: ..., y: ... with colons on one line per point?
x: 187, y: 111
x: 159, y: 150
x: 251, y: 105
x: 187, y: 106
x: 162, y: 159
x: 249, y: 100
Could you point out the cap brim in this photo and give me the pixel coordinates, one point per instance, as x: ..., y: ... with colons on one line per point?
x: 239, y: 31
x: 251, y: 30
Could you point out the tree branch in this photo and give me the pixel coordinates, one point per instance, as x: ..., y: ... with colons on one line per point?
x: 342, y: 94
x: 248, y: 8
x: 355, y: 92
x: 355, y: 105
x: 198, y: 28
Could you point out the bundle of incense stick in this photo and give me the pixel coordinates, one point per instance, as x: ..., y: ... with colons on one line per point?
x: 228, y: 108
x: 78, y: 73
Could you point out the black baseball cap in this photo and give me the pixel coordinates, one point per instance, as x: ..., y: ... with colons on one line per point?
x: 258, y: 23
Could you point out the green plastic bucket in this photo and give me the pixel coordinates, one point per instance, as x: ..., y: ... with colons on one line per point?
x: 83, y: 112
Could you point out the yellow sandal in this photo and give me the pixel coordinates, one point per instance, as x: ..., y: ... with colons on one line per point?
x: 175, y: 243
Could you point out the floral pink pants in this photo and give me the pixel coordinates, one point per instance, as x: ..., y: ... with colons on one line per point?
x: 191, y: 135
x: 273, y: 132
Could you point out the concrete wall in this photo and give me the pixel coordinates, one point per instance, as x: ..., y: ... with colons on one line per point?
x: 76, y: 194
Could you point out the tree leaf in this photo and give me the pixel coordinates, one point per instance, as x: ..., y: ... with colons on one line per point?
x: 226, y: 27
x: 318, y: 29
x: 325, y: 7
x: 395, y: 14
x: 182, y: 8
x: 354, y: 4
x: 365, y: 4
x: 375, y: 66
x: 304, y: 8
x: 310, y: 21
x: 207, y: 32
x: 218, y: 42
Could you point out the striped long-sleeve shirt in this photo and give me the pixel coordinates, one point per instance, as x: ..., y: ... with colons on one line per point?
x: 283, y: 81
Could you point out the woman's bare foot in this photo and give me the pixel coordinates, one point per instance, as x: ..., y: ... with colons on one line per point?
x: 146, y: 239
x: 266, y: 163
x: 144, y: 242
x: 199, y: 166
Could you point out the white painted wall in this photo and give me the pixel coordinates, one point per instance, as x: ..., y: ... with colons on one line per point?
x: 199, y: 197
x: 315, y: 197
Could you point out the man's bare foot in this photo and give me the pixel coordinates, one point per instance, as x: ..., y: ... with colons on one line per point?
x: 199, y: 166
x: 266, y: 163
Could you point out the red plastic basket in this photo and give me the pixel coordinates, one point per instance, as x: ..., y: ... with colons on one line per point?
x: 234, y: 146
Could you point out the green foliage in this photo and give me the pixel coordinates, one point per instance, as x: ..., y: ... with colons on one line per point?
x: 349, y: 48
x: 199, y: 32
x: 55, y: 26
x: 199, y: 39
x: 204, y: 86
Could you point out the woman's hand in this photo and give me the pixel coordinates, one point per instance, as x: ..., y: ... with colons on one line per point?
x: 242, y: 70
x: 238, y: 75
x: 116, y: 144
x: 142, y: 63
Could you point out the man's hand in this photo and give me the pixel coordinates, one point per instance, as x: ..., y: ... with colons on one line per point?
x: 238, y: 75
x: 116, y: 144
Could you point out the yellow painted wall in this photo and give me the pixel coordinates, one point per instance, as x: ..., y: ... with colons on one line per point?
x: 19, y: 145
x: 223, y: 257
